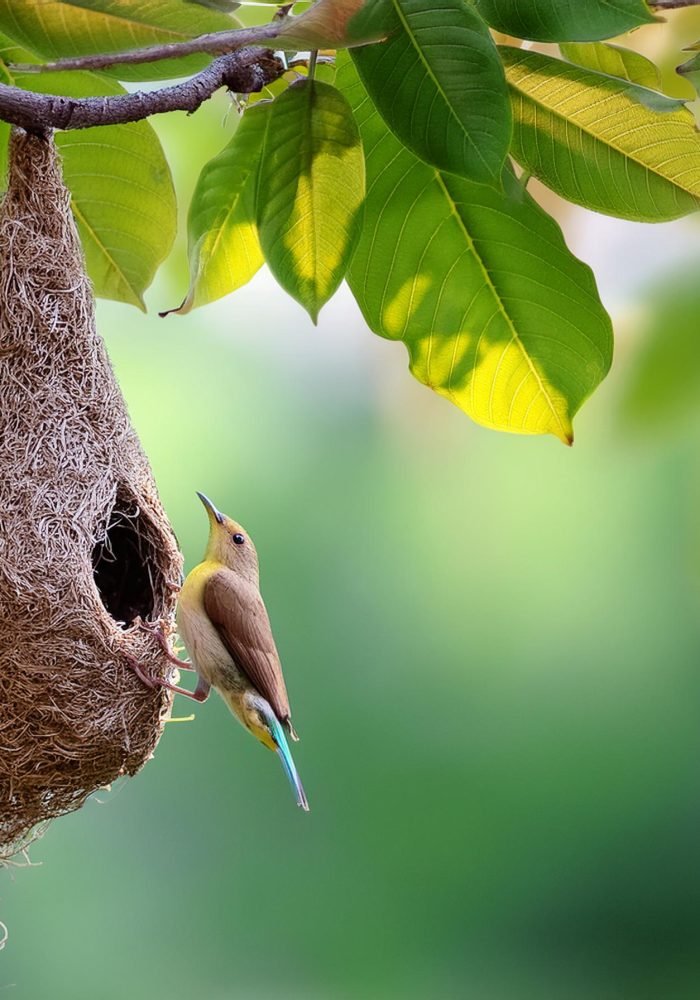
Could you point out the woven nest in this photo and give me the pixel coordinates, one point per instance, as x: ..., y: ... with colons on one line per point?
x: 85, y: 546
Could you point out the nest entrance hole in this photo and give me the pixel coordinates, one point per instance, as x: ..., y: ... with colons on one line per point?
x: 125, y: 564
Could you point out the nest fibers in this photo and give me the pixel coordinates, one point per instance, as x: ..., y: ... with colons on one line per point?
x: 85, y: 547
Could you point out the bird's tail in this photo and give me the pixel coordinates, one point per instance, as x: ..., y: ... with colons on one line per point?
x: 285, y: 756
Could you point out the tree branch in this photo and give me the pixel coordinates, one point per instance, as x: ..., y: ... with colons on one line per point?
x: 673, y: 4
x: 215, y: 44
x: 244, y: 72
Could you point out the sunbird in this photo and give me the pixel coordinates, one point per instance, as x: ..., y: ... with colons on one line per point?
x: 223, y: 622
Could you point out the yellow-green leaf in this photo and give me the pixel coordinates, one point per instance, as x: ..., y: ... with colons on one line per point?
x: 613, y: 60
x: 311, y: 188
x: 54, y: 29
x: 121, y: 190
x: 690, y: 70
x: 497, y: 315
x: 224, y: 247
x: 601, y: 142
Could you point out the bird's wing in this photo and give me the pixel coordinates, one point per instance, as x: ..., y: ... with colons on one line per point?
x: 240, y: 617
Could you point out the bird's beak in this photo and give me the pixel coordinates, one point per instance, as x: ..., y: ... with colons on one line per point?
x: 210, y: 508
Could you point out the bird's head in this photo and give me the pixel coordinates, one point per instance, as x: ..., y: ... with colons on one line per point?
x: 229, y: 543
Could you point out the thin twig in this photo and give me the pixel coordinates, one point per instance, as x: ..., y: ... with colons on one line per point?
x: 673, y: 4
x: 244, y: 72
x: 214, y: 44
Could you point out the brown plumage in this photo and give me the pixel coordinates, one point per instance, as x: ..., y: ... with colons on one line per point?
x: 223, y: 622
x: 238, y: 612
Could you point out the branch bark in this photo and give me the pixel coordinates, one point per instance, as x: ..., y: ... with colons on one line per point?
x: 243, y: 72
x: 673, y: 4
x: 214, y: 44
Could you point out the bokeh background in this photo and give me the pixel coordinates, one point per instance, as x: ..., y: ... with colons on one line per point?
x: 491, y: 644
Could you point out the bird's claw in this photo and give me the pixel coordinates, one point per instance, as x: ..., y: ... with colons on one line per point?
x: 201, y: 692
x: 156, y: 630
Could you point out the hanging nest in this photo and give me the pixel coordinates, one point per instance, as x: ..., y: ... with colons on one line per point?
x: 85, y: 546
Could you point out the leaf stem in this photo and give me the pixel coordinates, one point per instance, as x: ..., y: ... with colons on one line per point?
x: 313, y: 60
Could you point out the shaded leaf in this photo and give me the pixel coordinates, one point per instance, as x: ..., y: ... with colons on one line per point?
x: 54, y: 29
x: 565, y: 20
x: 224, y: 248
x: 10, y: 52
x: 439, y: 84
x: 603, y: 143
x: 613, y: 60
x: 121, y: 191
x: 227, y: 6
x: 336, y: 24
x: 311, y: 188
x: 497, y: 315
x: 690, y: 70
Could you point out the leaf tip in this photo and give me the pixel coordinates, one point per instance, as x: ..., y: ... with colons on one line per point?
x: 180, y: 310
x: 313, y: 309
x: 567, y: 437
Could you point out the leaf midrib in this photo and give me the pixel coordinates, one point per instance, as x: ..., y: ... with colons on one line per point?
x: 489, y: 281
x: 593, y: 135
x: 223, y: 220
x: 129, y: 21
x: 103, y: 249
x: 310, y: 151
x: 405, y: 24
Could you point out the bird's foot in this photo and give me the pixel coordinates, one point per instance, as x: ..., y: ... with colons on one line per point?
x: 156, y: 630
x: 200, y: 693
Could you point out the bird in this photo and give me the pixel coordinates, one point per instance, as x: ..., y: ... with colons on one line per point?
x: 223, y: 623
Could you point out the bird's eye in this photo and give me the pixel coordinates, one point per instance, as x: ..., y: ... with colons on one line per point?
x: 238, y: 539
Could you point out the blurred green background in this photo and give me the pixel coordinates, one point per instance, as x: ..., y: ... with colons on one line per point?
x: 491, y: 645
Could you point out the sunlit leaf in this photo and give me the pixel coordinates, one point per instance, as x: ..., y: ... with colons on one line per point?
x: 601, y: 142
x: 55, y: 29
x: 565, y: 20
x: 311, y: 189
x: 613, y: 60
x: 439, y: 84
x: 224, y: 248
x: 121, y: 191
x: 496, y: 313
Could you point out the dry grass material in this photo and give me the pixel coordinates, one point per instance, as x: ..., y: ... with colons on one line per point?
x: 85, y: 546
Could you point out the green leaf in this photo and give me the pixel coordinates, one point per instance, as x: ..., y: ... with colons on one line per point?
x: 11, y: 53
x: 690, y: 70
x: 336, y: 24
x: 227, y: 6
x: 311, y: 188
x: 565, y: 20
x: 121, y: 191
x: 603, y: 143
x: 53, y: 29
x: 496, y: 313
x: 613, y: 60
x: 438, y: 83
x: 224, y: 247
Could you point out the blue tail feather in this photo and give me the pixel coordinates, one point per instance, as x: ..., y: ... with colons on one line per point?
x: 285, y: 756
